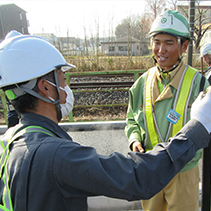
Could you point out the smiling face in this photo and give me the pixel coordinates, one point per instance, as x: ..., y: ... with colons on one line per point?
x: 167, y: 50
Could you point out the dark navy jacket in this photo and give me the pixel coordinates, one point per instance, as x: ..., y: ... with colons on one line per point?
x: 54, y: 173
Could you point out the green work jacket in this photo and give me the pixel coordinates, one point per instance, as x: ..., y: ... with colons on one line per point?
x: 164, y: 92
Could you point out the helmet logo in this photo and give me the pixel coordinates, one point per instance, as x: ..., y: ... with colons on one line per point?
x: 163, y: 20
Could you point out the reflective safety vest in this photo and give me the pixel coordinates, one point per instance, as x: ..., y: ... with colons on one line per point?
x: 6, y: 141
x: 180, y: 105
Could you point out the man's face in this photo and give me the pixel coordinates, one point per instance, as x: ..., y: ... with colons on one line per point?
x: 207, y: 58
x: 166, y: 50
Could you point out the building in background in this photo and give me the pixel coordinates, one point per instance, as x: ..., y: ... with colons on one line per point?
x: 68, y: 45
x: 52, y: 38
x: 125, y: 46
x: 12, y: 17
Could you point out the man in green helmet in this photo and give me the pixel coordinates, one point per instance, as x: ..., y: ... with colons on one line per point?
x: 159, y: 106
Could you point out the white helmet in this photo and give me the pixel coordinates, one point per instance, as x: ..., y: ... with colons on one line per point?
x: 205, y: 49
x: 26, y: 57
x: 171, y: 22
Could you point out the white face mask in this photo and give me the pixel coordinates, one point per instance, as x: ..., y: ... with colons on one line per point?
x: 67, y: 107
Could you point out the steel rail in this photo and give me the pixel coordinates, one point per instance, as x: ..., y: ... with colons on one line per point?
x: 104, y: 84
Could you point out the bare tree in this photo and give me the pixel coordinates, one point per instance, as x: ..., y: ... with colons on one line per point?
x: 200, y: 27
x: 145, y: 25
x: 155, y: 7
x: 122, y: 29
x: 135, y: 26
x: 172, y: 4
x: 200, y: 23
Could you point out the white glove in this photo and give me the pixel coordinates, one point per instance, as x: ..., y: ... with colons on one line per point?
x: 201, y: 109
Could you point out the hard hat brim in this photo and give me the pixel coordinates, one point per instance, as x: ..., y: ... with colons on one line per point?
x: 67, y: 66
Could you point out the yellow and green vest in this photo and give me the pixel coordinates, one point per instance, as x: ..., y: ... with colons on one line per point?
x: 180, y: 106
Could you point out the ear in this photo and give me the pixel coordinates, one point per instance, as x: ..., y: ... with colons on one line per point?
x: 43, y: 87
x: 185, y: 46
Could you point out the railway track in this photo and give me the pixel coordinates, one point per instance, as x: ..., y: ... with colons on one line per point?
x: 100, y: 97
x: 125, y: 80
x: 96, y: 85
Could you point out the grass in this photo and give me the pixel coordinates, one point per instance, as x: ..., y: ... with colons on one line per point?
x: 106, y: 63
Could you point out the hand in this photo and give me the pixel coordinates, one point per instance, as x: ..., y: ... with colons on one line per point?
x: 137, y: 147
x: 201, y: 109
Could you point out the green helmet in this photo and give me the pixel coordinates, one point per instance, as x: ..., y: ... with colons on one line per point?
x: 171, y: 22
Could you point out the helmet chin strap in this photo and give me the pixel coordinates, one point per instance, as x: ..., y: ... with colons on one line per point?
x: 170, y: 69
x: 58, y: 107
x: 36, y: 94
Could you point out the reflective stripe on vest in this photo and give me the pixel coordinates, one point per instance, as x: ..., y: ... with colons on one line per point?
x: 180, y: 105
x: 148, y: 110
x: 184, y: 96
x: 6, y: 197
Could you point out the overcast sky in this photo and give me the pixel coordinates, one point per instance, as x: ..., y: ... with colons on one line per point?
x: 73, y: 16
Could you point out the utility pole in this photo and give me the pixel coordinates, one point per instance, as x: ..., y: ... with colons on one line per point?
x: 191, y: 21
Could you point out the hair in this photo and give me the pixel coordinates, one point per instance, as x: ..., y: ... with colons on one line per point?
x: 28, y: 102
x: 183, y: 39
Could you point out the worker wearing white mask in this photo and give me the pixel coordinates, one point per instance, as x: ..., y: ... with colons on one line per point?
x: 37, y: 64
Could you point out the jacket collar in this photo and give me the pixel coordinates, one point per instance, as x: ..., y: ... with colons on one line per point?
x: 31, y: 119
x: 174, y: 75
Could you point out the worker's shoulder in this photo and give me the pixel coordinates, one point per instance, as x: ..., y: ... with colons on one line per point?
x: 140, y: 81
x: 53, y: 146
x: 198, y: 75
x: 192, y: 68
